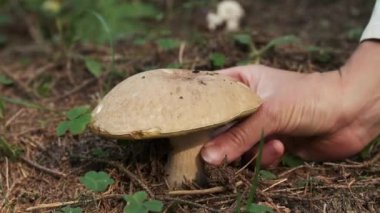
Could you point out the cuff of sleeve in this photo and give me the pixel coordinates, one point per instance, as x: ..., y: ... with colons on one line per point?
x: 371, y: 32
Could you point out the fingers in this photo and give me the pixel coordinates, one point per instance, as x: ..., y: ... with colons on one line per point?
x: 244, y: 74
x: 232, y: 144
x: 272, y: 152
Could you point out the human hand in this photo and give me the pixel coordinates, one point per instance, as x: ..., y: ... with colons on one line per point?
x: 309, y: 115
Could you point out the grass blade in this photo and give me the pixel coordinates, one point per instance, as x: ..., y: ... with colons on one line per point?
x: 255, y: 179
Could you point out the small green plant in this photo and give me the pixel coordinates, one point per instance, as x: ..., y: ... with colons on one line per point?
x: 255, y: 208
x: 4, y: 80
x: 20, y: 102
x: 93, y: 66
x: 43, y: 85
x: 8, y: 150
x: 243, y: 39
x: 96, y: 181
x: 369, y: 149
x: 255, y: 53
x: 16, y: 101
x: 77, y: 120
x: 217, y: 59
x: 168, y: 43
x: 291, y: 160
x: 251, y: 206
x: 139, y: 203
x: 267, y: 175
x: 68, y: 209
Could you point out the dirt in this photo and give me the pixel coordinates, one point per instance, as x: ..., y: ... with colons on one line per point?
x: 352, y: 185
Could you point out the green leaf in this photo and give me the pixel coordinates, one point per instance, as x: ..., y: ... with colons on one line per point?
x: 8, y: 150
x: 267, y: 175
x: 138, y: 202
x: 5, y: 80
x: 168, y: 43
x: 291, y: 160
x: 243, y: 39
x: 140, y: 196
x: 288, y: 39
x: 93, y: 66
x: 255, y: 179
x: 2, y: 109
x: 62, y: 128
x: 255, y: 208
x: 135, y: 208
x: 43, y: 85
x: 367, y: 151
x: 78, y: 125
x: 217, y: 59
x: 138, y: 10
x: 154, y: 205
x: 71, y: 210
x: 96, y: 181
x: 77, y: 111
x: 20, y: 102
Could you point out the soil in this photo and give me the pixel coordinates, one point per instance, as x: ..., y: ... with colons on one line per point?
x: 352, y: 185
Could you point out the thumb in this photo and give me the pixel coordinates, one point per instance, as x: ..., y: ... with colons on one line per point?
x: 232, y: 144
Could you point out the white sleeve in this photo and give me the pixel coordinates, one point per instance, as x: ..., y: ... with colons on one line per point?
x: 372, y: 30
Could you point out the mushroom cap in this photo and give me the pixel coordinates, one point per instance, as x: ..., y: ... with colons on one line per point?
x: 170, y: 102
x: 230, y: 10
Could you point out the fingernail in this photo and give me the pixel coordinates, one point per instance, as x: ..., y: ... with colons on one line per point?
x: 210, y: 154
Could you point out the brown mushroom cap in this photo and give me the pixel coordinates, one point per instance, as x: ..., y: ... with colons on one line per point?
x: 169, y: 102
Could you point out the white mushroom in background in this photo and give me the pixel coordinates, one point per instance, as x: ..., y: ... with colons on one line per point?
x: 228, y: 12
x: 213, y: 21
x: 184, y: 106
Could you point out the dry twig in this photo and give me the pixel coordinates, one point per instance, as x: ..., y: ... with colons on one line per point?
x: 189, y: 203
x: 359, y: 165
x: 247, y: 164
x: 42, y: 168
x: 275, y: 184
x: 212, y: 190
x: 60, y: 204
x: 74, y: 90
x: 24, y: 88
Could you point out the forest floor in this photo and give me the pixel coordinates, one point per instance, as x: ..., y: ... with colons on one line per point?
x: 352, y: 185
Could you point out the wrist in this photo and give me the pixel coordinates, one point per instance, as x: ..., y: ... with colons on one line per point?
x: 360, y: 80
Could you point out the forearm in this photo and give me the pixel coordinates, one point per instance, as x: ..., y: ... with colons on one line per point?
x: 361, y: 73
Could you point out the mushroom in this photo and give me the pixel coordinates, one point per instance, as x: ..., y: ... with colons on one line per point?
x: 231, y: 12
x: 184, y: 106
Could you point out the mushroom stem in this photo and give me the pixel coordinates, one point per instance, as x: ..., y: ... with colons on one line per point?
x: 184, y: 163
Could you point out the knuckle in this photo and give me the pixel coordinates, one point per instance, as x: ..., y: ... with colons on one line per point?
x: 238, y: 138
